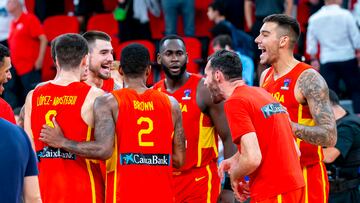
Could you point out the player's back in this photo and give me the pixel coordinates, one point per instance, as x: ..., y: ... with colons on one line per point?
x: 268, y: 119
x: 144, y: 130
x: 64, y: 177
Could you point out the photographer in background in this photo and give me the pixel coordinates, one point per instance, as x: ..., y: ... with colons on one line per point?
x: 343, y: 160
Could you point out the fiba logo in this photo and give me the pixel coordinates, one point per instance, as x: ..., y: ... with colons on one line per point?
x: 186, y: 96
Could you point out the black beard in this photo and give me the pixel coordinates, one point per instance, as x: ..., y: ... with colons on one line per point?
x: 174, y: 77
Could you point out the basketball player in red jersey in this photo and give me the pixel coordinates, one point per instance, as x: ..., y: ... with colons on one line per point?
x: 198, y: 180
x: 101, y: 60
x: 260, y: 128
x: 149, y: 138
x: 64, y: 176
x: 304, y: 93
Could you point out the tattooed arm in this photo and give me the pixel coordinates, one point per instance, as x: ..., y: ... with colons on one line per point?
x: 312, y: 89
x: 105, y: 114
x: 178, y: 157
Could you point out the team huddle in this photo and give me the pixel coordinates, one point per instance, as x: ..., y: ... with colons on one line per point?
x: 100, y: 141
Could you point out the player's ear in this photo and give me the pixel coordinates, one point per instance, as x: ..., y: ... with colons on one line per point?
x: 284, y: 40
x: 121, y: 72
x: 84, y: 61
x: 158, y: 58
x: 218, y: 75
x: 57, y: 62
x: 148, y: 70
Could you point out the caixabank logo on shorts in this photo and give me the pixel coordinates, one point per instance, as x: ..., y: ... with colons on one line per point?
x: 50, y: 152
x: 145, y: 159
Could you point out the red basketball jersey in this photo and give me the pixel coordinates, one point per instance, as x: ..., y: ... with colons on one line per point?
x: 201, y: 138
x: 108, y: 85
x: 64, y: 176
x: 282, y: 90
x: 143, y: 149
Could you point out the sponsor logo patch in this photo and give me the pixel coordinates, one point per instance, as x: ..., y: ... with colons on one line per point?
x: 186, y: 96
x: 145, y: 159
x: 50, y: 152
x: 271, y: 109
x: 286, y: 84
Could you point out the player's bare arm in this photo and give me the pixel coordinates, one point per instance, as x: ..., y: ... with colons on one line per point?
x: 105, y: 110
x: 217, y: 115
x: 178, y: 158
x: 249, y: 158
x: 27, y: 117
x: 242, y: 164
x: 315, y: 92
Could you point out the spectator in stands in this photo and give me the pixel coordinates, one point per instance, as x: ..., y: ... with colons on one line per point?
x: 241, y: 41
x: 136, y: 23
x: 216, y: 13
x: 356, y: 13
x: 343, y: 160
x: 46, y: 8
x: 84, y: 9
x: 172, y: 9
x: 27, y: 43
x: 5, y: 19
x: 263, y: 9
x: 334, y: 28
x: 225, y: 42
x: 234, y: 12
x: 315, y: 5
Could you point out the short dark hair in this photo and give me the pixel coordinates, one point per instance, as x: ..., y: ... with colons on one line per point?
x: 52, y: 49
x: 70, y: 49
x: 228, y: 62
x: 218, y: 6
x: 222, y: 40
x: 93, y: 35
x: 334, y: 99
x: 169, y: 37
x: 135, y: 58
x: 287, y: 23
x: 4, y: 52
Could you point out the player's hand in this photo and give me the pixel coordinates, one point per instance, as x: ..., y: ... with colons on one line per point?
x: 54, y: 137
x: 226, y: 196
x: 225, y: 166
x: 242, y: 192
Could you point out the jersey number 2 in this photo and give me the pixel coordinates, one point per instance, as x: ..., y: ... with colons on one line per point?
x: 145, y: 131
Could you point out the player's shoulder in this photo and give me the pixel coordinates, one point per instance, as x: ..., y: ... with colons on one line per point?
x: 263, y: 75
x: 95, y: 91
x: 159, y: 84
x: 309, y: 74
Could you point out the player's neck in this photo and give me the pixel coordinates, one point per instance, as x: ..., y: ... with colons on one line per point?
x: 172, y: 85
x: 230, y: 86
x: 67, y: 77
x: 284, y: 65
x: 137, y: 84
x: 93, y: 80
